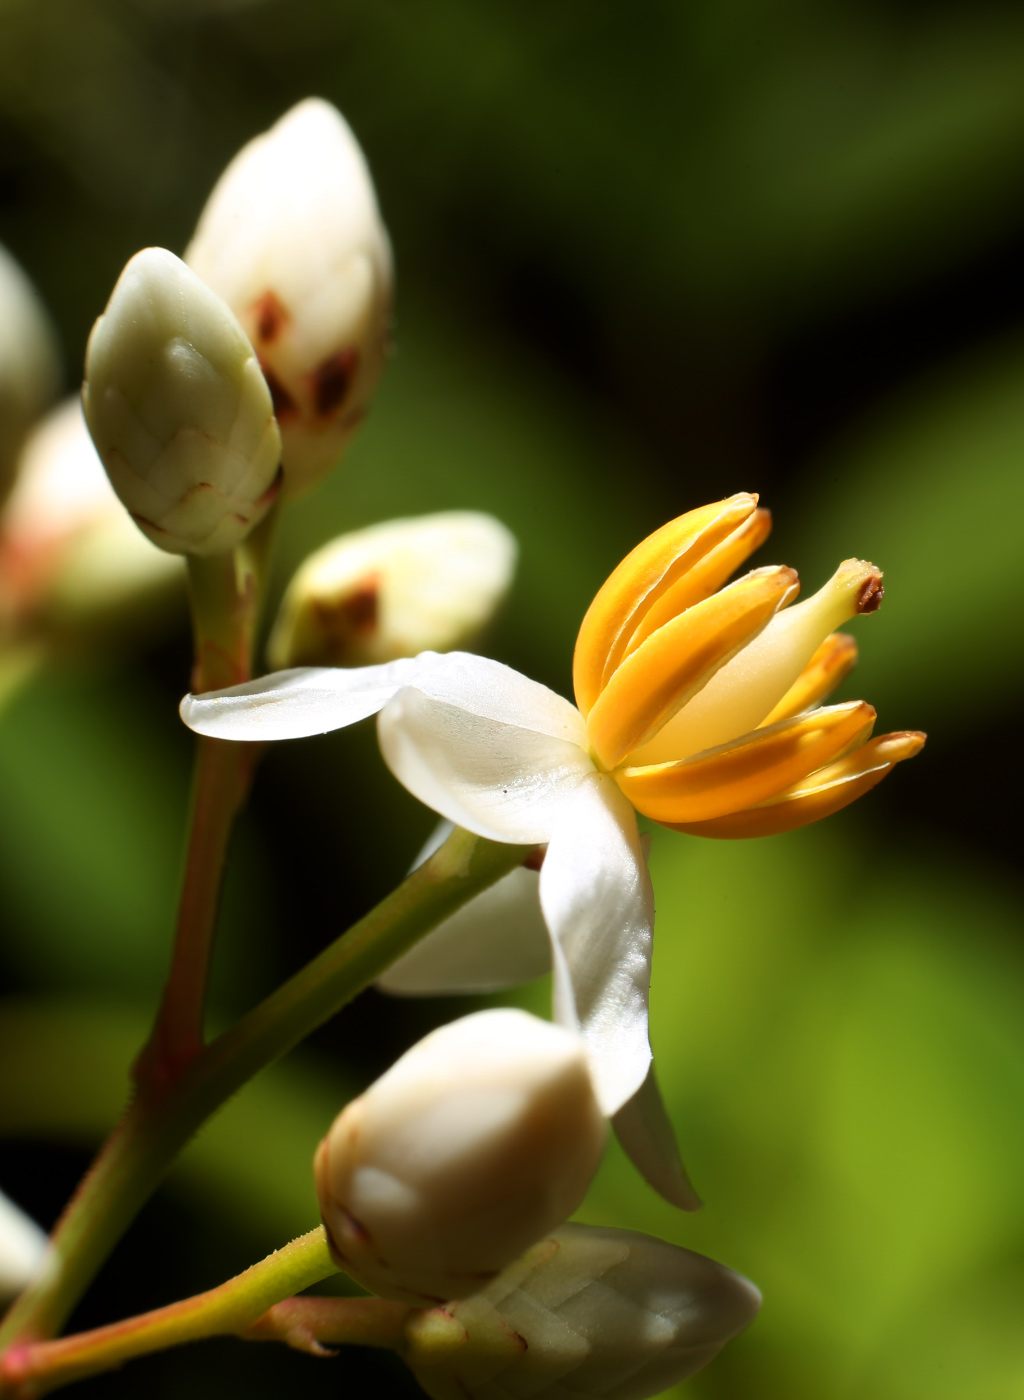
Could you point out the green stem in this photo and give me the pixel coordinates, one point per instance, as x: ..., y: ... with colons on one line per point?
x: 223, y: 773
x: 237, y: 1306
x: 156, y: 1128
x: 225, y: 593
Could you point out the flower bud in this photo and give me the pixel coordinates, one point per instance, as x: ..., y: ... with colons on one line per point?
x: 476, y: 1142
x: 292, y: 239
x: 28, y: 363
x: 22, y: 1246
x: 396, y: 589
x: 178, y: 409
x: 589, y: 1311
x: 68, y: 551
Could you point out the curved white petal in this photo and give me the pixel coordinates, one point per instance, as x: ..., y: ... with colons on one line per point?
x: 485, y: 747
x: 497, y: 940
x: 493, y: 691
x: 294, y: 704
x: 645, y: 1131
x: 597, y: 899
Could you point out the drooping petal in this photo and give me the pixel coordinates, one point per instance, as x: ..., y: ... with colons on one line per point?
x: 294, y: 704
x: 597, y: 899
x: 497, y: 940
x: 705, y: 577
x: 748, y: 770
x: 645, y: 1131
x: 639, y: 581
x: 485, y: 747
x: 658, y: 679
x: 825, y: 792
x: 827, y: 668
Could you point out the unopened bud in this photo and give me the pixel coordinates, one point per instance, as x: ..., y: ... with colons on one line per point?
x: 396, y: 589
x: 22, y: 1246
x: 68, y: 551
x: 480, y: 1139
x: 589, y: 1311
x: 28, y: 363
x: 178, y: 409
x: 292, y: 239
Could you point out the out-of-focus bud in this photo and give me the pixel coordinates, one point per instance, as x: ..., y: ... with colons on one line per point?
x: 476, y: 1142
x: 28, y: 363
x: 292, y: 239
x: 589, y: 1311
x: 429, y: 584
x: 22, y: 1246
x: 68, y: 551
x: 178, y: 409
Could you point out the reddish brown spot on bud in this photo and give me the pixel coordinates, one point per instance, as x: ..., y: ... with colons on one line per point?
x: 535, y: 859
x: 332, y: 379
x: 869, y: 599
x: 271, y: 317
x: 355, y: 614
x: 285, y: 406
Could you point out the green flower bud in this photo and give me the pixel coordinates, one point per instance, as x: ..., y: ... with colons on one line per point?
x: 292, y: 239
x: 589, y: 1311
x: 28, y: 363
x: 180, y: 414
x: 396, y: 589
x: 480, y: 1139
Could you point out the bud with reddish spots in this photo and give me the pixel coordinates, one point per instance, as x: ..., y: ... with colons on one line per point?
x: 293, y: 241
x: 479, y: 1140
x: 178, y: 409
x: 395, y: 589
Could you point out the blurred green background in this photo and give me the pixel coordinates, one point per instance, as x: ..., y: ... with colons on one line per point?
x: 648, y: 255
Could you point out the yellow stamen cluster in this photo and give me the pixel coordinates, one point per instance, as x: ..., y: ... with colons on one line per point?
x: 703, y: 700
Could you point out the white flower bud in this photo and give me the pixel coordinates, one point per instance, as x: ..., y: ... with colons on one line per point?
x: 396, y: 589
x: 178, y: 409
x: 476, y: 1142
x: 589, y: 1311
x: 67, y: 548
x: 292, y: 239
x: 28, y: 363
x: 22, y: 1246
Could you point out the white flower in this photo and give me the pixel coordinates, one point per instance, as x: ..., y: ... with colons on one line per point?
x: 293, y: 241
x: 178, y: 409
x: 481, y: 1138
x: 589, y: 1311
x: 22, y: 1246
x: 698, y: 706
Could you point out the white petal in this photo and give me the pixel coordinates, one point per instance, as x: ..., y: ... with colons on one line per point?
x: 294, y: 704
x: 492, y: 691
x: 645, y: 1131
x: 497, y: 940
x: 485, y: 747
x: 597, y: 899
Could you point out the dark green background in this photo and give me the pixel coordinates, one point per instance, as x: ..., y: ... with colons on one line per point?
x: 648, y: 254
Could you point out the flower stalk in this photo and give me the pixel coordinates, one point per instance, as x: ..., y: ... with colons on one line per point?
x: 238, y: 1306
x: 156, y: 1128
